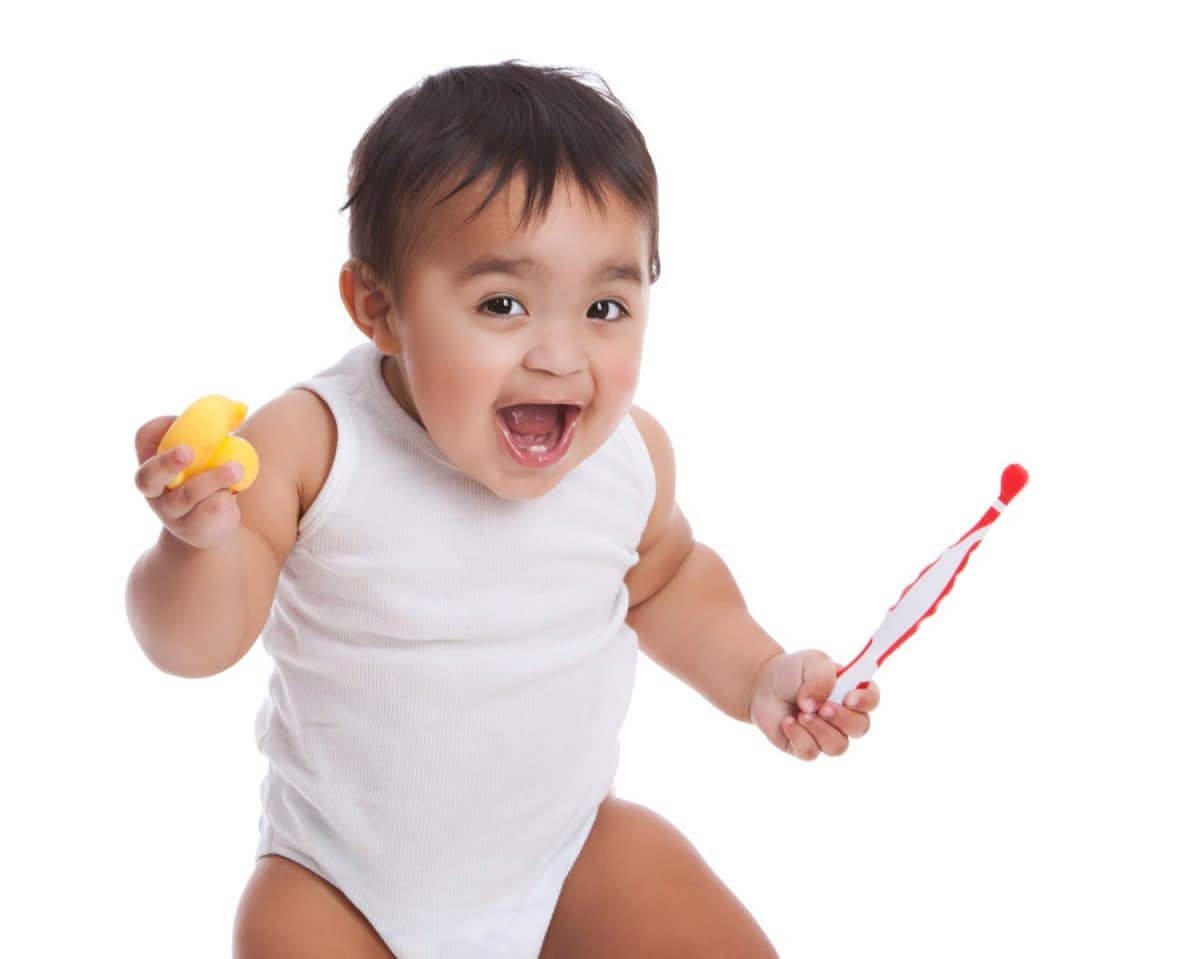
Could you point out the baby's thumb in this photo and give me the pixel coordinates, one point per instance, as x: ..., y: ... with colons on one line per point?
x: 818, y: 675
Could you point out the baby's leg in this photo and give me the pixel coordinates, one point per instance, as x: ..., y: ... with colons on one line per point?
x: 289, y: 912
x: 639, y: 888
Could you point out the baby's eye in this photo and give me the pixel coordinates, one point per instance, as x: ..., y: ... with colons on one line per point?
x: 501, y: 299
x: 621, y: 311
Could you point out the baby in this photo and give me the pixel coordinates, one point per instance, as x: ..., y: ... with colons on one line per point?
x: 461, y: 534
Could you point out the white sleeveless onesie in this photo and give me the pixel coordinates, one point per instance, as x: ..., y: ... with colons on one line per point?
x: 451, y: 670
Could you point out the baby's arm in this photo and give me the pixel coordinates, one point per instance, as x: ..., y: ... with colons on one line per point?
x: 684, y: 605
x: 196, y: 612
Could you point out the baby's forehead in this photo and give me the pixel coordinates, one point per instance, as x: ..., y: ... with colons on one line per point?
x: 463, y: 229
x: 476, y: 211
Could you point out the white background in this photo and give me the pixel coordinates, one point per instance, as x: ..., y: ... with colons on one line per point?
x: 903, y: 245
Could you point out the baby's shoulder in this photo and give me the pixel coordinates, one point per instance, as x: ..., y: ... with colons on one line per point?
x: 299, y: 431
x: 662, y: 459
x: 294, y: 435
x: 315, y: 432
x: 667, y: 538
x: 658, y: 445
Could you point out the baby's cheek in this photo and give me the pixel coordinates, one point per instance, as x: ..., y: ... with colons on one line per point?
x: 622, y: 381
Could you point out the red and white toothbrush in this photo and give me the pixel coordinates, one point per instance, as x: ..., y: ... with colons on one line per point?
x: 921, y: 597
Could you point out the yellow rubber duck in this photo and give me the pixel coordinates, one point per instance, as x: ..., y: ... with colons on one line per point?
x: 205, y: 427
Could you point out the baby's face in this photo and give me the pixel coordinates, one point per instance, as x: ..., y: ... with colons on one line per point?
x: 470, y: 341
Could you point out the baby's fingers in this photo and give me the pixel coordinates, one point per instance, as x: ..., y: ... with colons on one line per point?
x: 863, y: 700
x: 156, y: 472
x: 179, y: 502
x: 850, y: 722
x: 800, y: 743
x: 827, y: 738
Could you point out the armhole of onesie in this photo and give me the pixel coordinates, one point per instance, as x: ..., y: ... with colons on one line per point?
x: 643, y: 466
x: 345, y: 453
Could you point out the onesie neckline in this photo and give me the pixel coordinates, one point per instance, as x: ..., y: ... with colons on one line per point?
x: 391, y: 410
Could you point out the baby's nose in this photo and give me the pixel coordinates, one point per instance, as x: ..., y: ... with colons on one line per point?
x: 557, y: 351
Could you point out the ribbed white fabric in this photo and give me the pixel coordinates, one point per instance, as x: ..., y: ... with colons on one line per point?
x: 451, y: 670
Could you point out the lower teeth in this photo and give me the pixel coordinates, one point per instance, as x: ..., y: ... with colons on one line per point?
x: 543, y: 444
x: 540, y: 447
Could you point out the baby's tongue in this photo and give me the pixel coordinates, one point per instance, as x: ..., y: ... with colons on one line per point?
x: 533, y: 419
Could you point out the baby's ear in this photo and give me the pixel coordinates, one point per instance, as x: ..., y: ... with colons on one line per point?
x: 361, y: 276
x: 365, y: 298
x: 363, y: 272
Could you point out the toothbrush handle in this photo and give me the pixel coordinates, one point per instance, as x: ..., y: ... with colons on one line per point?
x: 854, y: 675
x: 921, y: 597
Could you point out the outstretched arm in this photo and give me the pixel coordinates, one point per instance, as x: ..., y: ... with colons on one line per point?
x: 684, y: 605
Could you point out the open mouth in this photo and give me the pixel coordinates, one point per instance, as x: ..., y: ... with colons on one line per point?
x: 538, y: 434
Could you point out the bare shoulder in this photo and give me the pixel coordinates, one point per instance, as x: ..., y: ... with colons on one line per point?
x: 667, y: 538
x: 318, y: 442
x: 294, y: 435
x: 662, y: 456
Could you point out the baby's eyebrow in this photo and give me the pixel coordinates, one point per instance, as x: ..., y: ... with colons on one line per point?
x: 518, y: 266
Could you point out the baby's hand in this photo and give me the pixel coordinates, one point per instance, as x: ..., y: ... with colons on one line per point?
x: 201, y: 512
x: 797, y: 684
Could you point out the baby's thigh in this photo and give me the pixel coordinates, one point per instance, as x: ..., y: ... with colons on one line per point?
x: 640, y: 888
x: 289, y: 912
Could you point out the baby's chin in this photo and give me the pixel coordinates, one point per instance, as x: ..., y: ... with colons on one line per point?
x: 515, y: 483
x: 515, y: 488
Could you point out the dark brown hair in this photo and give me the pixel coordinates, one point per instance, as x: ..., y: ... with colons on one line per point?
x: 509, y: 117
